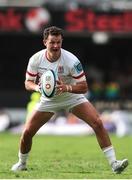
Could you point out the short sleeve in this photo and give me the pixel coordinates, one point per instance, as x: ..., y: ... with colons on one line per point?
x: 77, y: 71
x: 31, y: 73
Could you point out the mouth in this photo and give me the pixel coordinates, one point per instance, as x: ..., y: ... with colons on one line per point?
x: 55, y: 50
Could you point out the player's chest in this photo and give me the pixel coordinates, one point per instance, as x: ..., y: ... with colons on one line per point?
x: 58, y: 68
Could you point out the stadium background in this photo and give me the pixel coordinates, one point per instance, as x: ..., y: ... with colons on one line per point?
x: 99, y: 33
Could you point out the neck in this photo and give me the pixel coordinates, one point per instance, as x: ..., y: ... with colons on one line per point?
x: 52, y: 57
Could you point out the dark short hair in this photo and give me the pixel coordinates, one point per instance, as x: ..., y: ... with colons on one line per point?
x: 53, y: 30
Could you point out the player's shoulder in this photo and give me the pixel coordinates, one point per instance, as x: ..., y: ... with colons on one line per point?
x: 69, y: 57
x: 37, y: 54
x: 68, y: 54
x: 36, y: 58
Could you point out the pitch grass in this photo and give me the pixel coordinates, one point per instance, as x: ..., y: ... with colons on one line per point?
x: 63, y: 157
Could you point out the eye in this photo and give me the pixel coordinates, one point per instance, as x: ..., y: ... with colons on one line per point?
x: 52, y: 42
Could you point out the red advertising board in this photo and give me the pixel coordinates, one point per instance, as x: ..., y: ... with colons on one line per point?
x: 23, y: 19
x: 88, y: 20
x: 33, y: 20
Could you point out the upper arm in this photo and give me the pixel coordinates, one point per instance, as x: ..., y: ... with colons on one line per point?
x: 31, y: 72
x: 77, y: 72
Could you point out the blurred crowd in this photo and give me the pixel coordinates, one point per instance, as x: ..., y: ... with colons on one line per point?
x: 113, y: 85
x: 116, y: 120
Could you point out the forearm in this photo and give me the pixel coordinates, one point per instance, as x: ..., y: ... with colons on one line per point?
x: 31, y: 86
x: 78, y: 88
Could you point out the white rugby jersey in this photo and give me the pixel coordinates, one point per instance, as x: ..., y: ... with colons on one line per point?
x: 68, y: 67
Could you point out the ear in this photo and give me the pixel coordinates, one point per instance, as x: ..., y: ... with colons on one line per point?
x: 44, y: 42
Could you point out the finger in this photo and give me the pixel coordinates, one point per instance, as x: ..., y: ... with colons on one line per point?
x: 58, y: 82
x: 61, y: 79
x: 59, y: 87
x: 59, y: 90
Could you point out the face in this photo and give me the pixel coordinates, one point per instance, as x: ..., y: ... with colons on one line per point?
x: 53, y: 44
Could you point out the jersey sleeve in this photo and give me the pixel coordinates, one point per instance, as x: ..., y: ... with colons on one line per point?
x: 77, y: 71
x: 31, y: 72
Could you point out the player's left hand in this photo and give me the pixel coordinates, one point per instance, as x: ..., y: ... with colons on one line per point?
x: 60, y: 87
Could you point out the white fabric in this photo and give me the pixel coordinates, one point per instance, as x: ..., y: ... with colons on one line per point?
x: 110, y: 154
x: 66, y: 101
x: 23, y: 157
x: 68, y: 68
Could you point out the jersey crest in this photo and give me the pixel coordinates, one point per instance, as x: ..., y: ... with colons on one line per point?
x: 61, y: 69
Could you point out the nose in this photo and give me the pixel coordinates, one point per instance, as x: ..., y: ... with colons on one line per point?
x: 55, y: 45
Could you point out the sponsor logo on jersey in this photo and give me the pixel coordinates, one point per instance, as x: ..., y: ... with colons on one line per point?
x: 42, y: 68
x: 78, y: 67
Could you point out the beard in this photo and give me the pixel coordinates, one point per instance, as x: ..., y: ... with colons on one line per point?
x: 54, y: 54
